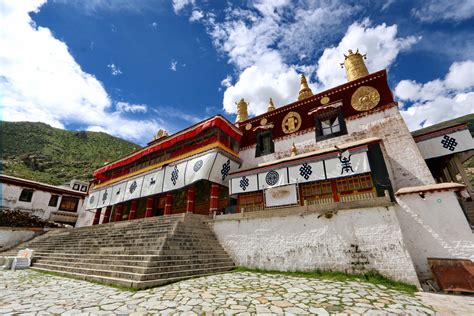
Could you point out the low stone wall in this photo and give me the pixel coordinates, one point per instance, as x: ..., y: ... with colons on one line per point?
x: 353, y: 240
x: 12, y: 236
x: 434, y: 226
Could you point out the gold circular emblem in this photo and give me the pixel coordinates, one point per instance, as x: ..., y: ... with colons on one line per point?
x: 248, y: 126
x: 365, y: 98
x: 263, y: 121
x: 291, y: 123
x: 325, y: 100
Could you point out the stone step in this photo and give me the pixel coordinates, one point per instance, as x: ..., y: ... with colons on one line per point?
x: 170, y: 266
x: 131, y: 275
x: 140, y: 285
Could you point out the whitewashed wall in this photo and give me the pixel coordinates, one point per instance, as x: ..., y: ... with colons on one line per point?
x: 434, y: 227
x: 38, y: 205
x: 404, y: 161
x: 10, y: 237
x: 86, y: 217
x: 355, y: 240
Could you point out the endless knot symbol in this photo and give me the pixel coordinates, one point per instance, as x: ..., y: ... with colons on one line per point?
x: 244, y: 183
x: 133, y: 187
x: 272, y: 177
x: 197, y: 165
x: 305, y: 171
x: 225, y: 169
x: 104, y: 196
x: 346, y: 164
x: 152, y: 181
x: 174, y: 175
x: 91, y: 200
x: 449, y: 142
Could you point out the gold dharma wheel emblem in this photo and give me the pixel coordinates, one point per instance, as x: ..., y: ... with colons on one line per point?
x: 291, y: 123
x: 263, y: 121
x: 248, y: 126
x: 325, y: 100
x: 365, y: 98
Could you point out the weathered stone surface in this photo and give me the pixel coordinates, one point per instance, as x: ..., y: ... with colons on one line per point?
x: 240, y: 293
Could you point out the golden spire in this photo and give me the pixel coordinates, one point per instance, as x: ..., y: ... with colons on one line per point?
x: 161, y: 133
x: 270, y: 106
x: 242, y: 114
x: 294, y: 151
x: 305, y: 91
x: 355, y: 66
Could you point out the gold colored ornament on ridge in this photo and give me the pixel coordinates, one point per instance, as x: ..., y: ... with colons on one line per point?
x: 325, y: 100
x: 365, y: 98
x: 263, y: 121
x: 291, y: 123
x: 248, y: 126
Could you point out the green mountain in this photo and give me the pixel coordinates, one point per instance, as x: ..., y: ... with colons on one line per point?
x: 39, y: 152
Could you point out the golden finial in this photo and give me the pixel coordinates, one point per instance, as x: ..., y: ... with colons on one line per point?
x: 161, y: 133
x: 294, y: 151
x: 242, y: 114
x: 270, y: 106
x: 305, y: 91
x: 355, y: 66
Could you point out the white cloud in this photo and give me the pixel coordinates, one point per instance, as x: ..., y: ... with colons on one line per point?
x: 114, y: 69
x: 196, y: 16
x: 179, y: 5
x: 438, y: 100
x: 154, y: 25
x: 439, y: 10
x: 41, y: 81
x: 227, y: 81
x: 123, y: 107
x: 173, y: 65
x: 379, y: 42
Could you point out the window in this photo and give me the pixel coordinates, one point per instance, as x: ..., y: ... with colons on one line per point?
x: 53, y: 201
x: 84, y: 188
x: 76, y: 186
x: 265, y: 144
x: 26, y: 195
x: 69, y: 204
x: 330, y: 124
x: 251, y: 201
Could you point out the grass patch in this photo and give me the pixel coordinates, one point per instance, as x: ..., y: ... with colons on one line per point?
x: 369, y: 277
x: 117, y: 287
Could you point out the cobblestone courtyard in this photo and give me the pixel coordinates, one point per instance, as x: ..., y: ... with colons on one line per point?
x: 241, y: 293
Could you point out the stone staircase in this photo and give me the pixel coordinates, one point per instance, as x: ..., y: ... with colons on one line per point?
x: 138, y: 254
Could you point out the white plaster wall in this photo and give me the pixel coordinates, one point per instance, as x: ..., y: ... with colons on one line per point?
x: 39, y: 202
x: 10, y: 195
x: 86, y: 217
x: 434, y: 227
x: 404, y: 161
x: 12, y: 237
x: 354, y: 241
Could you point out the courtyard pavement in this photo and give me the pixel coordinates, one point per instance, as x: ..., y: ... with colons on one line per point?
x: 241, y: 293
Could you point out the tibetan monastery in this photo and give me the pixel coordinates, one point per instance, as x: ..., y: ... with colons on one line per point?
x: 338, y: 169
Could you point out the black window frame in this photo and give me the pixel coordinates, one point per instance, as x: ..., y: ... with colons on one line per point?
x: 324, y: 116
x: 259, y: 151
x: 54, y: 198
x: 26, y: 195
x: 83, y: 188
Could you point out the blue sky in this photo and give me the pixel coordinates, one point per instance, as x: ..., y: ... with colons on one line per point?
x: 129, y: 68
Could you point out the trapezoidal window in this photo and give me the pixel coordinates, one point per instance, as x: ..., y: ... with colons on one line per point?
x: 330, y: 124
x: 26, y: 195
x: 68, y: 204
x: 265, y: 144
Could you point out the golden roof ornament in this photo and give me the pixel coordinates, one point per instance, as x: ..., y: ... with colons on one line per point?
x: 305, y: 91
x: 242, y: 114
x: 270, y: 106
x: 161, y: 133
x: 355, y: 66
x: 294, y: 151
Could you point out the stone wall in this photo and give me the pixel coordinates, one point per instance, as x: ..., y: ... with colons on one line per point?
x: 354, y: 241
x: 10, y: 237
x: 434, y: 227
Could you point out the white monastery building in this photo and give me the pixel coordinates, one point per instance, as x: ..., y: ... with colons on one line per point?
x: 332, y: 181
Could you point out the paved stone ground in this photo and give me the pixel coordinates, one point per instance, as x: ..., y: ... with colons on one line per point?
x: 242, y: 293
